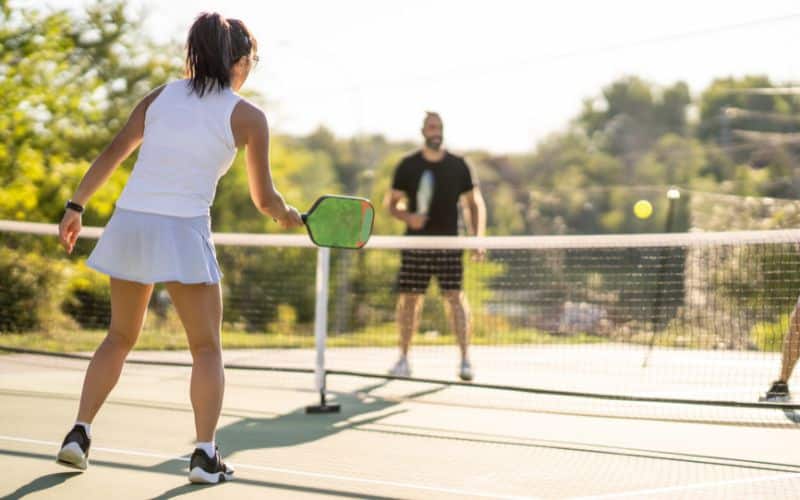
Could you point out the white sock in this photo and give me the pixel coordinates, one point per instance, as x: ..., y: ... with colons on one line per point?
x: 208, y: 447
x: 86, y: 427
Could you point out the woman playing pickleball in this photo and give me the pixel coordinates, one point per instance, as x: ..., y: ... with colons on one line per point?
x: 160, y: 232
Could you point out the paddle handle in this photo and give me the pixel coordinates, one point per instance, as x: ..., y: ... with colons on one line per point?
x: 302, y: 216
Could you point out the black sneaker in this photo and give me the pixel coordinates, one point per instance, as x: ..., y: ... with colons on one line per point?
x: 206, y: 470
x: 75, y: 449
x: 778, y: 392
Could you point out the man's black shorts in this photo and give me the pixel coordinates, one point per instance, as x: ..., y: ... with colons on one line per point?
x: 418, y: 266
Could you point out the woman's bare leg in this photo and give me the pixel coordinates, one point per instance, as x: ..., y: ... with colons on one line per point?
x: 200, y: 310
x: 128, y: 309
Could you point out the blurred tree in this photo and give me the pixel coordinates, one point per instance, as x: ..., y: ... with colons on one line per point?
x: 631, y: 115
x: 729, y: 93
x: 299, y: 174
x: 354, y: 160
x: 671, y: 111
x: 673, y: 160
x: 68, y: 83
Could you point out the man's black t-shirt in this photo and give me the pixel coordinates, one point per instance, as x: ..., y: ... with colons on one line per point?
x: 451, y: 178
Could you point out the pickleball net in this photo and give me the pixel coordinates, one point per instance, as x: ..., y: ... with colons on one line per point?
x: 690, y: 318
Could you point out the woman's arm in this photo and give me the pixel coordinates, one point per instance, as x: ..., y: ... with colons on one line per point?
x: 123, y: 144
x: 252, y: 131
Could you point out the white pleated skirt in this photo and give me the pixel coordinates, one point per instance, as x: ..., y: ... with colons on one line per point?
x: 154, y: 248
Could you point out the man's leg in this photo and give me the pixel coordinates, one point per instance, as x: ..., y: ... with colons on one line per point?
x: 412, y: 282
x: 459, y: 319
x: 791, y: 346
x: 409, y: 309
x: 779, y: 391
x: 450, y: 273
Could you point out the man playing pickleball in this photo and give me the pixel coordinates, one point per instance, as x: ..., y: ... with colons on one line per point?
x: 431, y: 183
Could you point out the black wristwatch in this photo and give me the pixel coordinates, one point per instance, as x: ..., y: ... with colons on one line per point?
x: 71, y: 205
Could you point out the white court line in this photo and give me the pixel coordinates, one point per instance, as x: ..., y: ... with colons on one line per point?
x: 688, y: 487
x: 317, y: 475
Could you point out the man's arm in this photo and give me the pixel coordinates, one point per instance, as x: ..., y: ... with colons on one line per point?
x: 475, y: 210
x: 412, y: 220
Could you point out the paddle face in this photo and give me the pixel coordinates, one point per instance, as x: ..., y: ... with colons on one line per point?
x: 340, y: 221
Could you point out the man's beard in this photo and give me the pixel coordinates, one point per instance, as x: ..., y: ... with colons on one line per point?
x: 433, y: 143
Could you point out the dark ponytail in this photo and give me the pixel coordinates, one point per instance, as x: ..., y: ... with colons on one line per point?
x: 214, y: 45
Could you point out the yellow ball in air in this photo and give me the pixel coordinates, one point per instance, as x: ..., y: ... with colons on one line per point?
x: 642, y: 209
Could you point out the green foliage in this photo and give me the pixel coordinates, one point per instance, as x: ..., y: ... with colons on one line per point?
x: 300, y: 175
x: 285, y: 319
x: 770, y: 280
x: 88, y: 299
x: 29, y: 290
x: 633, y: 114
x: 361, y: 288
x: 507, y: 214
x: 768, y: 336
x: 478, y: 276
x: 68, y: 83
x: 264, y: 280
x: 729, y: 93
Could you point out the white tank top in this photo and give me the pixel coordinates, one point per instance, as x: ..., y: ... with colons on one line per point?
x: 187, y: 146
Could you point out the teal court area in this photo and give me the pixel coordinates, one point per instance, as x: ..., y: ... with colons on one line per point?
x: 393, y: 439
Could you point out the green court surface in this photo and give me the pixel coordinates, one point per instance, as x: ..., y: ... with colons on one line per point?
x: 393, y: 439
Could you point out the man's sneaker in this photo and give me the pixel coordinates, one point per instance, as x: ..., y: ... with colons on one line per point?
x: 401, y: 368
x: 465, y: 372
x: 75, y: 449
x: 205, y: 470
x: 778, y: 392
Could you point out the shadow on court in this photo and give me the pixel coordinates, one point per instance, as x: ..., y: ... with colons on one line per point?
x: 40, y: 483
x: 290, y: 429
x: 297, y: 427
x: 172, y: 467
x: 258, y: 438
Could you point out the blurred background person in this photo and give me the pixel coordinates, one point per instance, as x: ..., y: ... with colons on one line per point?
x: 427, y: 188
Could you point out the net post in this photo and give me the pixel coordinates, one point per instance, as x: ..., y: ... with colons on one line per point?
x: 321, y: 330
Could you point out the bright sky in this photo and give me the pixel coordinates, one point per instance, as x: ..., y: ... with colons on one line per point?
x: 503, y: 73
